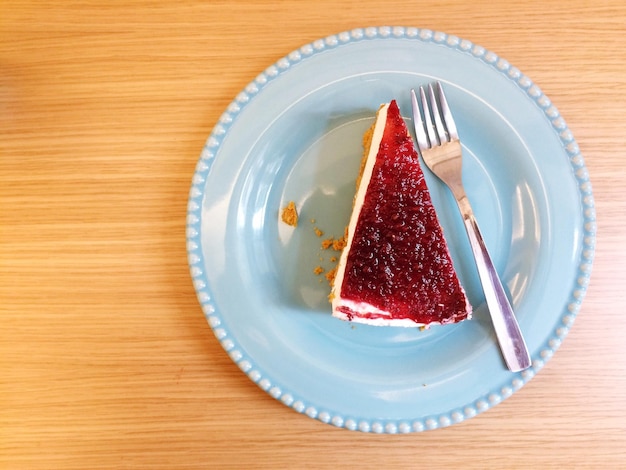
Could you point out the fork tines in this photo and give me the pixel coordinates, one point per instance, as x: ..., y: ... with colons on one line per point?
x: 434, y: 124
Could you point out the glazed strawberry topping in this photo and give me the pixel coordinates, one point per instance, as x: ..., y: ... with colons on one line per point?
x: 399, y: 261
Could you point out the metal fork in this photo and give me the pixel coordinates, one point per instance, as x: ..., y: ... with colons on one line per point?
x: 440, y: 147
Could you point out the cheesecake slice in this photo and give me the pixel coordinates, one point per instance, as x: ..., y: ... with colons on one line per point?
x: 396, y: 269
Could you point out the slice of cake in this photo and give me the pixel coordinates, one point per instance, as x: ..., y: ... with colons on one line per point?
x: 396, y: 269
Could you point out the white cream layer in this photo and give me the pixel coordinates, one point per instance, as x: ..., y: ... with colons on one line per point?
x: 380, y: 321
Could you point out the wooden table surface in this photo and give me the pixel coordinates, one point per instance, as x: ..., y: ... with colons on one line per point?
x: 106, y: 358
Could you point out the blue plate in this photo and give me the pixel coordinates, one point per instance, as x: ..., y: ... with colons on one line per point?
x: 294, y: 133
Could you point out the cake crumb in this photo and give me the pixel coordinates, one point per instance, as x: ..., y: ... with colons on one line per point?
x: 290, y: 214
x: 318, y: 270
x: 330, y: 276
x: 318, y: 232
x: 312, y: 221
x: 339, y: 244
x: 333, y: 259
x: 326, y: 244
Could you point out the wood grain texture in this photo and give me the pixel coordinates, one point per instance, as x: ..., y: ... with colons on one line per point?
x: 106, y: 359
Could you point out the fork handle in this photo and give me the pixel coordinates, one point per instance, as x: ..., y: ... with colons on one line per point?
x: 507, y: 330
